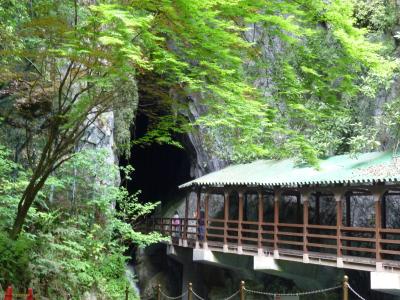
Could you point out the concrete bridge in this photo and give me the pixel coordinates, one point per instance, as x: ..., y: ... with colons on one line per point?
x: 278, y: 215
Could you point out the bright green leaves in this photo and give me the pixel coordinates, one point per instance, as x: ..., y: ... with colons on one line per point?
x: 315, y: 76
x: 375, y: 15
x: 73, y: 241
x: 110, y: 40
x: 306, y: 59
x: 310, y: 71
x: 121, y: 28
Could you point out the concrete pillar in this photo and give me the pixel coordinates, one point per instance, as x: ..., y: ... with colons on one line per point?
x: 386, y: 282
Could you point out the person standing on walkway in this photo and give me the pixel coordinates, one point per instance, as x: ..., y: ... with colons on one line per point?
x: 201, y: 223
x: 176, y: 225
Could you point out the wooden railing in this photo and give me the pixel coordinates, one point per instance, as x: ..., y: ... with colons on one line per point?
x: 361, y: 242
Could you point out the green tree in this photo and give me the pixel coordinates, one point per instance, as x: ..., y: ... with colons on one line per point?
x: 65, y: 63
x: 73, y: 242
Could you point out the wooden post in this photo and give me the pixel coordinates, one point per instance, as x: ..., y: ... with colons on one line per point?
x: 241, y: 293
x: 260, y: 222
x: 298, y: 208
x: 9, y: 293
x: 348, y: 218
x: 198, y: 203
x: 317, y: 208
x: 378, y: 226
x: 245, y: 206
x: 348, y: 210
x: 206, y: 218
x: 190, y: 291
x: 305, y: 224
x: 170, y: 227
x: 384, y: 213
x: 29, y: 296
x: 339, y: 213
x: 185, y: 224
x: 345, y: 287
x: 384, y: 217
x: 226, y: 218
x: 277, y: 196
x: 240, y: 220
x: 159, y: 292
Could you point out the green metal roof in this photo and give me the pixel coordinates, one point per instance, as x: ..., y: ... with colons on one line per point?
x: 362, y: 168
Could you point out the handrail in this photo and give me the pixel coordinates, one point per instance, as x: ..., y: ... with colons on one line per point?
x: 242, y: 291
x: 361, y: 229
x: 327, y: 227
x: 293, y: 225
x: 351, y: 241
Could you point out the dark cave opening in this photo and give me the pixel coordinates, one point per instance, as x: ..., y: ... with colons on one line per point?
x: 159, y: 169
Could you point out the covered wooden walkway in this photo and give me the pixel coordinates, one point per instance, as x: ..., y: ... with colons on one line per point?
x: 337, y: 215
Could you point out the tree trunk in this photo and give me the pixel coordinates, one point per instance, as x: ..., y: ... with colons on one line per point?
x: 26, y: 202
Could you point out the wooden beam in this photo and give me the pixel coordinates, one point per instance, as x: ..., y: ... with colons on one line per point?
x: 260, y: 218
x: 226, y: 216
x: 384, y: 216
x: 298, y: 208
x: 277, y: 196
x: 384, y: 210
x: 378, y: 225
x: 207, y: 197
x: 348, y: 215
x: 240, y: 218
x: 185, y: 224
x: 348, y: 209
x: 305, y: 221
x: 245, y: 206
x: 339, y: 213
x: 317, y: 208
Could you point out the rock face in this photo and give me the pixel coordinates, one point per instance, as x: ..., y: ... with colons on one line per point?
x: 204, y: 161
x: 100, y: 135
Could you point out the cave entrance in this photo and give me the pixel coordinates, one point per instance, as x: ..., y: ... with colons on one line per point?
x: 159, y: 169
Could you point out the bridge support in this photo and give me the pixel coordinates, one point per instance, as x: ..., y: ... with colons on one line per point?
x: 265, y: 263
x: 204, y: 255
x: 339, y: 262
x: 386, y: 282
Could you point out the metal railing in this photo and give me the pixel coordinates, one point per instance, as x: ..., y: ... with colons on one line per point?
x: 243, y: 290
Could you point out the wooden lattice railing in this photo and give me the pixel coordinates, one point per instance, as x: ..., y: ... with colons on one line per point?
x: 338, y: 241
